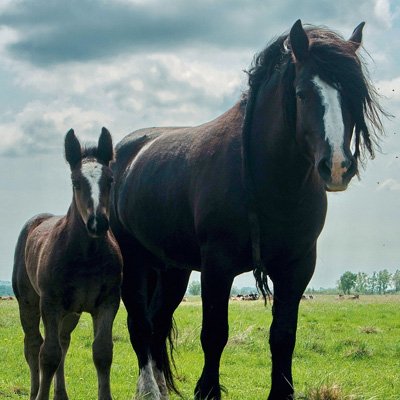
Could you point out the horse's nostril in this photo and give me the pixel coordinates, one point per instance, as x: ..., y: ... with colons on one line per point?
x: 324, y: 169
x: 351, y: 166
x: 92, y: 224
x: 97, y: 225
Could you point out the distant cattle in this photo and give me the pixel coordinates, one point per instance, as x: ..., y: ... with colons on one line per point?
x: 246, y: 297
x: 6, y: 298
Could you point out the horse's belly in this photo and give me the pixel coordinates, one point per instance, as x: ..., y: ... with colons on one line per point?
x: 163, y: 227
x: 174, y: 248
x: 83, y: 298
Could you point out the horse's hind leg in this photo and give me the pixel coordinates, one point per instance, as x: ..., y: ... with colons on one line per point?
x: 103, y: 319
x: 171, y: 288
x: 68, y: 324
x: 30, y: 319
x: 29, y: 311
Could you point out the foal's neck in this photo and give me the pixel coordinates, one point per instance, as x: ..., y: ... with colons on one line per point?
x: 78, y: 236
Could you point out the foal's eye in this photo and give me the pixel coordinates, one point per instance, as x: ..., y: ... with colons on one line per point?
x: 76, y: 185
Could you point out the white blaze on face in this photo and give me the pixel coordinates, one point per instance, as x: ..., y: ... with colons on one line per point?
x: 92, y: 172
x: 334, y: 126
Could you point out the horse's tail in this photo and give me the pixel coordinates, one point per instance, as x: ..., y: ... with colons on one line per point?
x: 167, y: 358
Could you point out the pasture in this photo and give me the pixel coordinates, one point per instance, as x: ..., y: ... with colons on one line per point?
x: 349, y: 348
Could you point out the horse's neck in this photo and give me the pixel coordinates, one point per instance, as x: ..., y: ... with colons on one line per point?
x: 277, y: 165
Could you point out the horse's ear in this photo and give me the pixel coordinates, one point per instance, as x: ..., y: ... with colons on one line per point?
x: 73, y: 153
x: 356, y: 36
x: 299, y: 42
x: 105, y: 152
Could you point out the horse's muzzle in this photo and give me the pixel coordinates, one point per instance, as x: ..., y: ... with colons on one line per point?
x: 337, y: 173
x: 97, y: 225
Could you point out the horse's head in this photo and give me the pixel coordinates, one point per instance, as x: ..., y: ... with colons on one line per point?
x: 327, y: 113
x: 91, y: 179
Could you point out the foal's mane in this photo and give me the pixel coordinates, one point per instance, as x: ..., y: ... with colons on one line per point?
x: 92, y: 153
x: 335, y: 61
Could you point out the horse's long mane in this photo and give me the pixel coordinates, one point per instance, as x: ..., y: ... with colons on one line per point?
x: 335, y: 61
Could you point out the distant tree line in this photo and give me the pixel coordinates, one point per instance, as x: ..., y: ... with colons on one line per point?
x: 6, y: 289
x: 380, y: 282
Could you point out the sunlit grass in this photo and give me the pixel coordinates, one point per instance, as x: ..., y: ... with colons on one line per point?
x: 348, y: 350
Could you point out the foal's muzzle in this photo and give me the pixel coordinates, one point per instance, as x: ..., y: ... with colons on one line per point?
x: 337, y: 173
x: 97, y: 225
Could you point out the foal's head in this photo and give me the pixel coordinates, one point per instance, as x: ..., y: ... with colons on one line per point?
x: 91, y: 179
x: 332, y: 97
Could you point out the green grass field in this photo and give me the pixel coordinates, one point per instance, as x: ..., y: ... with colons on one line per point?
x: 346, y: 349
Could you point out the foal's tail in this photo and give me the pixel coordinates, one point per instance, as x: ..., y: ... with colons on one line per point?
x: 167, y: 358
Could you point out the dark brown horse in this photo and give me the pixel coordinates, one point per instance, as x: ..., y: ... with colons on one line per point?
x: 244, y: 192
x: 66, y: 265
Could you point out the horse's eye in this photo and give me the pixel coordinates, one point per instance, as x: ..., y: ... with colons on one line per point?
x: 301, y: 95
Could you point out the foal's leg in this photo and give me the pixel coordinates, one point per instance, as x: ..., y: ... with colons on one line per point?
x: 289, y: 286
x: 68, y: 324
x: 30, y: 319
x: 170, y: 291
x: 103, y: 319
x: 50, y: 353
x: 216, y: 284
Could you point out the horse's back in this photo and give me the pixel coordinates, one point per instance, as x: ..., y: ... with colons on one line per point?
x: 127, y: 149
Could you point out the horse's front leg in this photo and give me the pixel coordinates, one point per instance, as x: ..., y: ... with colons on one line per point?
x: 50, y: 352
x: 288, y: 289
x: 216, y: 284
x: 68, y: 324
x: 102, y: 348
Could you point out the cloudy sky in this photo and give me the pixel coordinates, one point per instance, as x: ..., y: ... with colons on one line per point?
x: 127, y: 64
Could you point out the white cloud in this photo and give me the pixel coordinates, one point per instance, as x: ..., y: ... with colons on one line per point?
x: 122, y: 94
x: 390, y: 184
x: 39, y: 128
x: 390, y: 88
x: 383, y: 13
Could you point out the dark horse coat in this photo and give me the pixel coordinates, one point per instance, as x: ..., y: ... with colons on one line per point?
x: 243, y: 192
x: 66, y: 265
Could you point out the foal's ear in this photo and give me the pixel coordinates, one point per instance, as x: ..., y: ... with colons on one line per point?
x: 73, y: 153
x: 299, y: 42
x: 105, y: 152
x: 356, y: 36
